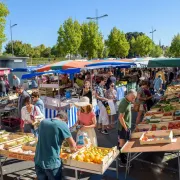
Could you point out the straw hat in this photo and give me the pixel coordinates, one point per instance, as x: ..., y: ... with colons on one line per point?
x: 84, y: 101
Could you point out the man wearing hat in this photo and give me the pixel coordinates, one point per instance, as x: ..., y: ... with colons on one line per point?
x: 22, y: 96
x: 52, y: 133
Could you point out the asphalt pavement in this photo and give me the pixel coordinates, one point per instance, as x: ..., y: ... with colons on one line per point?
x: 141, y: 170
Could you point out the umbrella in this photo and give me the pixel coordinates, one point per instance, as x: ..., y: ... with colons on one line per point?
x: 67, y: 71
x: 64, y: 65
x: 164, y: 62
x: 114, y: 63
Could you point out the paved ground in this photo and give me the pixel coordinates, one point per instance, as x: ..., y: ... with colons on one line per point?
x: 12, y: 169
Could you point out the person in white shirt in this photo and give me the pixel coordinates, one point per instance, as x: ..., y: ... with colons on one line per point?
x: 28, y: 114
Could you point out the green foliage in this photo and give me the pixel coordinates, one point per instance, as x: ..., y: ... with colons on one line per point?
x: 92, y: 44
x: 131, y: 36
x: 117, y: 43
x: 69, y: 38
x: 105, y: 52
x: 142, y: 45
x: 156, y: 51
x: 20, y: 49
x: 167, y: 52
x: 46, y: 53
x: 175, y: 46
x: 3, y: 14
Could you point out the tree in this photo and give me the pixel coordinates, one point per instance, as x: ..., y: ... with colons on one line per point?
x: 3, y: 14
x: 175, y: 46
x: 54, y: 51
x: 156, y: 51
x: 46, y: 53
x: 131, y: 36
x: 92, y: 44
x: 20, y: 49
x: 69, y: 38
x: 142, y: 45
x: 105, y: 52
x: 117, y: 43
x: 167, y: 52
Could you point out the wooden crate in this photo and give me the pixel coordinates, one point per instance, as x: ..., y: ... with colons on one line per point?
x: 11, y: 138
x: 93, y: 166
x: 141, y: 128
x: 156, y: 137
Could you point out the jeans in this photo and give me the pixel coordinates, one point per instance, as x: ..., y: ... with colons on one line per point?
x: 48, y: 174
x: 2, y: 94
x: 35, y: 132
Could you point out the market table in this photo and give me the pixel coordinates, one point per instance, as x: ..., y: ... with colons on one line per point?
x: 134, y: 146
x: 85, y: 169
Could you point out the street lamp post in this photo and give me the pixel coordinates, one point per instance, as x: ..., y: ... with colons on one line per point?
x: 11, y: 26
x: 97, y: 17
x: 152, y: 32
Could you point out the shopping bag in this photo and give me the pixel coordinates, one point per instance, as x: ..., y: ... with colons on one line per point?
x: 112, y: 107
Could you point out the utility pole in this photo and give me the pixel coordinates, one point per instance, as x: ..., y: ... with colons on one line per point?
x: 11, y: 26
x: 152, y: 32
x: 97, y: 17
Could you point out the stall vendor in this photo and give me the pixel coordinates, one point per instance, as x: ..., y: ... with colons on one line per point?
x: 52, y: 133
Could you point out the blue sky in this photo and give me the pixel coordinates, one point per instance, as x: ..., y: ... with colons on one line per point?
x: 39, y: 20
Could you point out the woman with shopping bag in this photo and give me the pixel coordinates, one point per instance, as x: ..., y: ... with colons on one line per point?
x: 86, y: 119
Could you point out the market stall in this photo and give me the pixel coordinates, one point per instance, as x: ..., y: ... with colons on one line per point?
x: 159, y: 130
x: 87, y: 158
x: 164, y: 62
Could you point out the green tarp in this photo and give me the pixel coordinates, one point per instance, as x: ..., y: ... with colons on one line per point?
x: 164, y: 62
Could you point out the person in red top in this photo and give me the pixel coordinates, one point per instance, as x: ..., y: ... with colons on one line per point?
x: 87, y: 119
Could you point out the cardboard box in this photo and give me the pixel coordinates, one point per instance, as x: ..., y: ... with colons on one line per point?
x: 156, y: 137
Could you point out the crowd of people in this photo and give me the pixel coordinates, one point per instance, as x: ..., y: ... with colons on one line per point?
x: 52, y: 132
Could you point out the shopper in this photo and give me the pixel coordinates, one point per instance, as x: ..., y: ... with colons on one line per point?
x: 16, y: 82
x: 111, y: 79
x: 21, y: 100
x: 158, y: 82
x: 52, y: 133
x: 124, y: 123
x: 111, y: 94
x: 2, y: 87
x: 7, y: 84
x: 140, y: 101
x: 149, y: 98
x: 38, y: 102
x: 86, y: 91
x: 28, y: 114
x: 103, y: 121
x: 87, y: 119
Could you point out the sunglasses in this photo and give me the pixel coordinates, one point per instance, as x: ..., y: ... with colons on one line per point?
x: 112, y: 85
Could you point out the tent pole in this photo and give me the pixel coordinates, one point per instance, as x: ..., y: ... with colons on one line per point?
x: 59, y: 95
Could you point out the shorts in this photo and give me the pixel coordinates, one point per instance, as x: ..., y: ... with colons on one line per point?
x: 141, y: 107
x: 123, y: 134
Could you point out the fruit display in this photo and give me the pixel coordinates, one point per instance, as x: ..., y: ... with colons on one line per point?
x: 158, y: 137
x: 94, y: 158
x: 4, y: 133
x: 168, y: 108
x: 9, y: 138
x: 18, y: 142
x: 174, y: 125
x: 93, y: 155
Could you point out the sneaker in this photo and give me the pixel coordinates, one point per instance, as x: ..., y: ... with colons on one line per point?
x: 104, y: 132
x: 99, y: 129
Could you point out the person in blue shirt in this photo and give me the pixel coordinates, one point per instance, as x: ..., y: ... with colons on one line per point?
x: 38, y: 102
x: 158, y: 82
x: 52, y: 133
